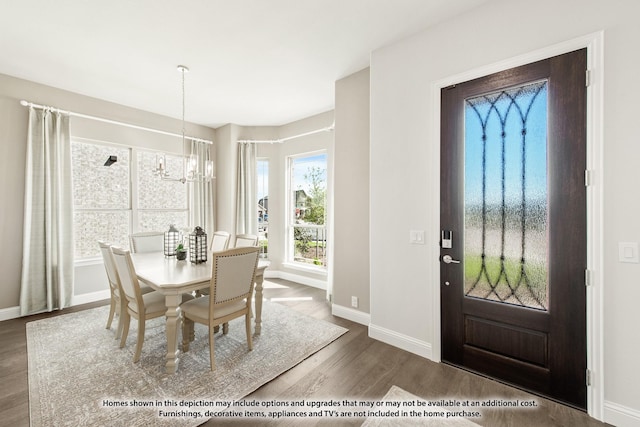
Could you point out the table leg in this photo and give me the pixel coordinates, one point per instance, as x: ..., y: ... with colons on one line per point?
x: 258, y: 303
x: 173, y: 324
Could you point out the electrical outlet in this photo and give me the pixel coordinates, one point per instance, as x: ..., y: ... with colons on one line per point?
x: 354, y: 302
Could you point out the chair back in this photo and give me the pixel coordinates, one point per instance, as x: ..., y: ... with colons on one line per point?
x: 110, y: 267
x: 233, y: 275
x: 219, y: 241
x: 127, y: 274
x: 245, y: 240
x: 148, y: 241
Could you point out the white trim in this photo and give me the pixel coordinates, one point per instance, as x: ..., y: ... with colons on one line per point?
x: 619, y: 415
x: 405, y: 342
x: 303, y: 280
x: 595, y: 99
x: 350, y: 314
x: 9, y: 313
x: 90, y: 297
x: 306, y: 268
x: 14, y: 312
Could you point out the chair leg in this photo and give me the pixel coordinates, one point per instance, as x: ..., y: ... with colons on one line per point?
x: 186, y: 333
x: 247, y: 322
x: 126, y: 319
x: 112, y: 310
x: 122, y: 308
x: 225, y: 328
x: 212, y: 356
x: 141, y: 325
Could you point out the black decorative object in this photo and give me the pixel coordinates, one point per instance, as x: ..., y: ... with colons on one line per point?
x: 172, y: 239
x: 111, y: 160
x: 198, y: 245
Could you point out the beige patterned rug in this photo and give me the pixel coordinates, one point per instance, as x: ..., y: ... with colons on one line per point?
x: 443, y: 418
x: 79, y: 377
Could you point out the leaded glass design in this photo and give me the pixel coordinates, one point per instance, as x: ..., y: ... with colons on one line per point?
x: 505, y: 255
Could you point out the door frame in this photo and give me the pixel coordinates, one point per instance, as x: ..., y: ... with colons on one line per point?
x: 594, y: 43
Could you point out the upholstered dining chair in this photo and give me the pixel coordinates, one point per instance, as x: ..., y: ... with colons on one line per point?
x: 139, y: 306
x: 117, y: 301
x: 147, y: 241
x: 219, y: 241
x: 230, y: 292
x: 244, y: 240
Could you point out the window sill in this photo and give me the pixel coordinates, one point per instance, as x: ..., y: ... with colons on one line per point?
x: 87, y: 262
x: 306, y: 268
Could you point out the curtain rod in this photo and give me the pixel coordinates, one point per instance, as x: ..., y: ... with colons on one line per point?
x: 281, y: 140
x: 113, y: 122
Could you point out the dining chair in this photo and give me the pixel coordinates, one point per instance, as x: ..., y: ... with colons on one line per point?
x: 230, y: 291
x: 139, y: 306
x: 244, y: 240
x: 117, y: 304
x: 219, y: 241
x: 147, y: 241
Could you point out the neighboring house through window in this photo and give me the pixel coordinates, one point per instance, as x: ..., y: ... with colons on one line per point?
x: 262, y: 166
x: 307, y: 201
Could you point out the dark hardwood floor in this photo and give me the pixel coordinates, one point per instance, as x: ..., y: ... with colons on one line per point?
x: 353, y: 367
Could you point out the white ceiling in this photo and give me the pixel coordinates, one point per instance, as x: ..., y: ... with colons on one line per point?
x: 253, y: 62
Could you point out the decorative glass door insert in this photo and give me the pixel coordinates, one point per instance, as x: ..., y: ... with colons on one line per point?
x: 505, y: 196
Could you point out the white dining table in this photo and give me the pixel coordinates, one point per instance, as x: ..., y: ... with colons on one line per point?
x: 174, y: 278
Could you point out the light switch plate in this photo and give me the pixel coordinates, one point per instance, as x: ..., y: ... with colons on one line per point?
x: 628, y: 252
x: 416, y: 237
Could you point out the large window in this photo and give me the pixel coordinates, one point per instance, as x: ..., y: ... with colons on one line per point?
x: 307, y: 209
x: 111, y: 202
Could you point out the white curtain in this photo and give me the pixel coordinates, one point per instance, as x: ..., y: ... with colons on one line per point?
x: 201, y: 194
x: 247, y: 203
x: 47, y: 258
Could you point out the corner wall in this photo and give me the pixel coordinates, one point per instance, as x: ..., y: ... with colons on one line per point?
x: 351, y: 198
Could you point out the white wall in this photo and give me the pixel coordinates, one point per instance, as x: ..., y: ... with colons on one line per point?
x: 351, y: 195
x: 402, y: 142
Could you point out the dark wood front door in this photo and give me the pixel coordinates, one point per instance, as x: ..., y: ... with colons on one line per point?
x: 513, y: 215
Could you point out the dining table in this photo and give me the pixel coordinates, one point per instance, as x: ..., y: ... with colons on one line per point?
x: 173, y: 278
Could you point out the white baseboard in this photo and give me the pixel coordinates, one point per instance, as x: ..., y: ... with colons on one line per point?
x: 14, y: 312
x: 90, y: 297
x: 621, y: 416
x: 404, y: 342
x: 303, y: 280
x: 9, y: 313
x: 351, y: 314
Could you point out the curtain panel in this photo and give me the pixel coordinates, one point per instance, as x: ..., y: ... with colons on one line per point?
x: 47, y: 260
x: 247, y: 203
x: 201, y: 194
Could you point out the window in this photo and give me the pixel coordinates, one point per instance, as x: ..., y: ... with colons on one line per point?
x: 111, y: 202
x: 307, y: 209
x: 262, y: 166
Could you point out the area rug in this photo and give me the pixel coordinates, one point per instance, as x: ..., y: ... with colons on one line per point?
x: 79, y: 376
x: 422, y: 415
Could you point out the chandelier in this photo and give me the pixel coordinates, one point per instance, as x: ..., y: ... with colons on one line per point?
x: 193, y: 169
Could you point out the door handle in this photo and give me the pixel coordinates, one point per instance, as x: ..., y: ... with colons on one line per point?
x: 448, y: 260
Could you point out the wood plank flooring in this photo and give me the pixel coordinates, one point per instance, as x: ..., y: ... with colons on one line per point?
x: 354, y: 367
